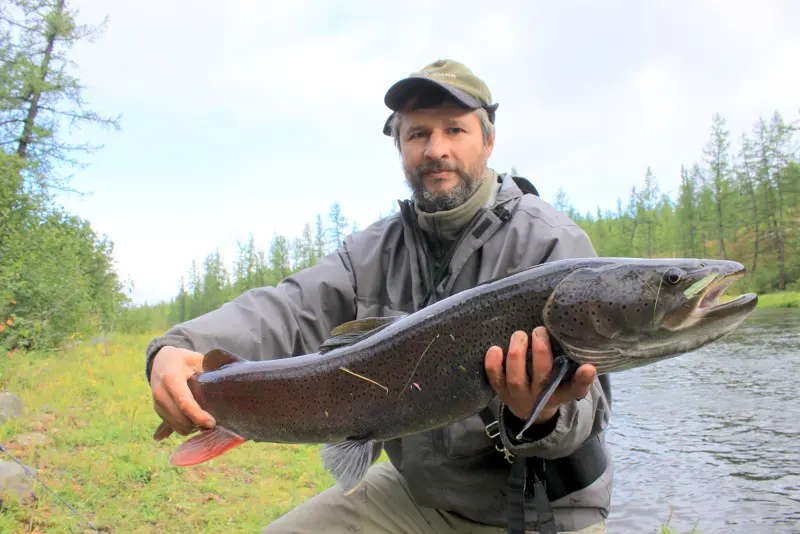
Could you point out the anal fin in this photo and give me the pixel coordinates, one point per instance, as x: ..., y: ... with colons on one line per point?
x: 563, y: 369
x: 205, y: 446
x: 348, y: 461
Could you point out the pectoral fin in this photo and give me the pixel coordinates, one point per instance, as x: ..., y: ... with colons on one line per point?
x: 217, y: 358
x: 163, y: 431
x: 563, y: 369
x: 348, y: 461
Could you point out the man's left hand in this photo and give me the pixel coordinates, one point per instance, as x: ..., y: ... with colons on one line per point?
x: 517, y: 391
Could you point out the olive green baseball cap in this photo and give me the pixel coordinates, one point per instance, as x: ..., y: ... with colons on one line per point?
x: 444, y: 78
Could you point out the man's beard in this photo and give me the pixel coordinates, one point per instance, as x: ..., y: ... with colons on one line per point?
x: 471, y: 180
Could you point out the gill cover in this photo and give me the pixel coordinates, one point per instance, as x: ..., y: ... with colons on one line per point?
x: 595, y: 312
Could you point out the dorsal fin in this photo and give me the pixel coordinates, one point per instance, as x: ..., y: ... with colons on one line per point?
x: 352, y: 332
x: 362, y: 326
x: 217, y: 358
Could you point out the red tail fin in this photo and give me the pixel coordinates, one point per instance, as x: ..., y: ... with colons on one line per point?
x: 205, y: 446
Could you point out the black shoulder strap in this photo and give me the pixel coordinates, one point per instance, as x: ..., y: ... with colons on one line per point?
x: 517, y: 478
x: 526, y: 187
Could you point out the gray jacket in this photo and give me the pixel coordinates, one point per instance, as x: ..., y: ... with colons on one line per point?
x: 381, y: 272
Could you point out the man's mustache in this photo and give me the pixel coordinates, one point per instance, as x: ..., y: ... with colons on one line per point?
x: 436, y: 166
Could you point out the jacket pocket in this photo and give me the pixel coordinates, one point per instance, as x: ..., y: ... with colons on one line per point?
x: 466, y: 438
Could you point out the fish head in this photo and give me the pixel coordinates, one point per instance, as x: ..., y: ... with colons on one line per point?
x: 633, y: 312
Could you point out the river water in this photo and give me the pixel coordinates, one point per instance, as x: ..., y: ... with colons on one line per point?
x: 713, y: 435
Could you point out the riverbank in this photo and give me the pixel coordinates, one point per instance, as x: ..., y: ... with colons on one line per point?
x: 784, y: 299
x: 87, y: 430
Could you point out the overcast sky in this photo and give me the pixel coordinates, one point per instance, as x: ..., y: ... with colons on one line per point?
x: 252, y: 117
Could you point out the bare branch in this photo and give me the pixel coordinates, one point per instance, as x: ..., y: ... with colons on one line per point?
x: 18, y: 25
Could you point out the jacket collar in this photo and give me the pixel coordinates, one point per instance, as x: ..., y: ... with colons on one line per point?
x: 487, y: 221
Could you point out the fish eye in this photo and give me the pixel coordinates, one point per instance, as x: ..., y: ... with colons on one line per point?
x: 673, y: 276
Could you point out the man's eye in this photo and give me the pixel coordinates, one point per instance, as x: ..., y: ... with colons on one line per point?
x: 455, y: 130
x: 415, y: 135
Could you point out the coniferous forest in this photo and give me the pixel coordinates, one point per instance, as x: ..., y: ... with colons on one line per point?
x: 56, y: 273
x: 738, y: 199
x: 739, y: 202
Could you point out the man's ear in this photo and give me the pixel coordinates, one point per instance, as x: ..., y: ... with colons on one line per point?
x: 490, y: 145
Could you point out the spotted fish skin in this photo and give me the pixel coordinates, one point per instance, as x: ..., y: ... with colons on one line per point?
x: 426, y: 370
x: 430, y: 364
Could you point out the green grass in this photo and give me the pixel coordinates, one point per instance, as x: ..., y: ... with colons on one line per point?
x: 93, y: 403
x: 104, y: 462
x: 784, y: 299
x: 667, y: 529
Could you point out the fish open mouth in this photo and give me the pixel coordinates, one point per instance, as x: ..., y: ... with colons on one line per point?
x: 712, y: 293
x: 702, y: 303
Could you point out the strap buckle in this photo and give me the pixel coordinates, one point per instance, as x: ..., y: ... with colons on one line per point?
x: 507, y: 455
x: 495, y: 432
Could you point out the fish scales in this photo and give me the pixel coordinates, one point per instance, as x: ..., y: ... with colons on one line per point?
x: 311, y: 399
x: 377, y: 379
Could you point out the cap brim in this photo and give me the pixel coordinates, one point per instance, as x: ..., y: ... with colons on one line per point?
x: 398, y: 94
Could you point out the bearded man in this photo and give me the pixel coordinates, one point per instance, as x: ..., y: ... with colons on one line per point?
x: 464, y: 224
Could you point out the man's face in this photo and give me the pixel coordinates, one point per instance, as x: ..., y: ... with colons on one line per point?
x: 444, y: 155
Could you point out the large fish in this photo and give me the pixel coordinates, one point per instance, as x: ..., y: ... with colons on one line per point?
x: 377, y: 379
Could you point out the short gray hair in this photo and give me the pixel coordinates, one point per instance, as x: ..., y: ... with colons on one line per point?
x: 483, y: 117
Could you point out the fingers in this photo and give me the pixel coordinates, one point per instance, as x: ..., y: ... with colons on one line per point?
x: 495, y: 372
x: 542, y: 358
x: 173, y: 401
x: 510, y: 381
x: 517, y: 391
x: 184, y: 405
x: 516, y: 374
x: 577, y: 388
x: 583, y: 380
x: 166, y: 407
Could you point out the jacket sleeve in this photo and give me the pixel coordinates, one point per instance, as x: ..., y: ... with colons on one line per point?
x: 576, y: 421
x: 292, y: 318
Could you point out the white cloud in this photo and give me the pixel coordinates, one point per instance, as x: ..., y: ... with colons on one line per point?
x: 254, y: 117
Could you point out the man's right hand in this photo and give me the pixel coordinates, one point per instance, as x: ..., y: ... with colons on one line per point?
x: 172, y: 368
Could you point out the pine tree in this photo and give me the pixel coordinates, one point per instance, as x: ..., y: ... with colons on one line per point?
x: 338, y: 225
x: 718, y: 161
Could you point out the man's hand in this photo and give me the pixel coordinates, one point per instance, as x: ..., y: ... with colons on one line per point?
x: 172, y: 367
x: 517, y: 391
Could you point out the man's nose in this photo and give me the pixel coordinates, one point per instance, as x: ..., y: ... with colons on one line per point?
x: 438, y: 146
